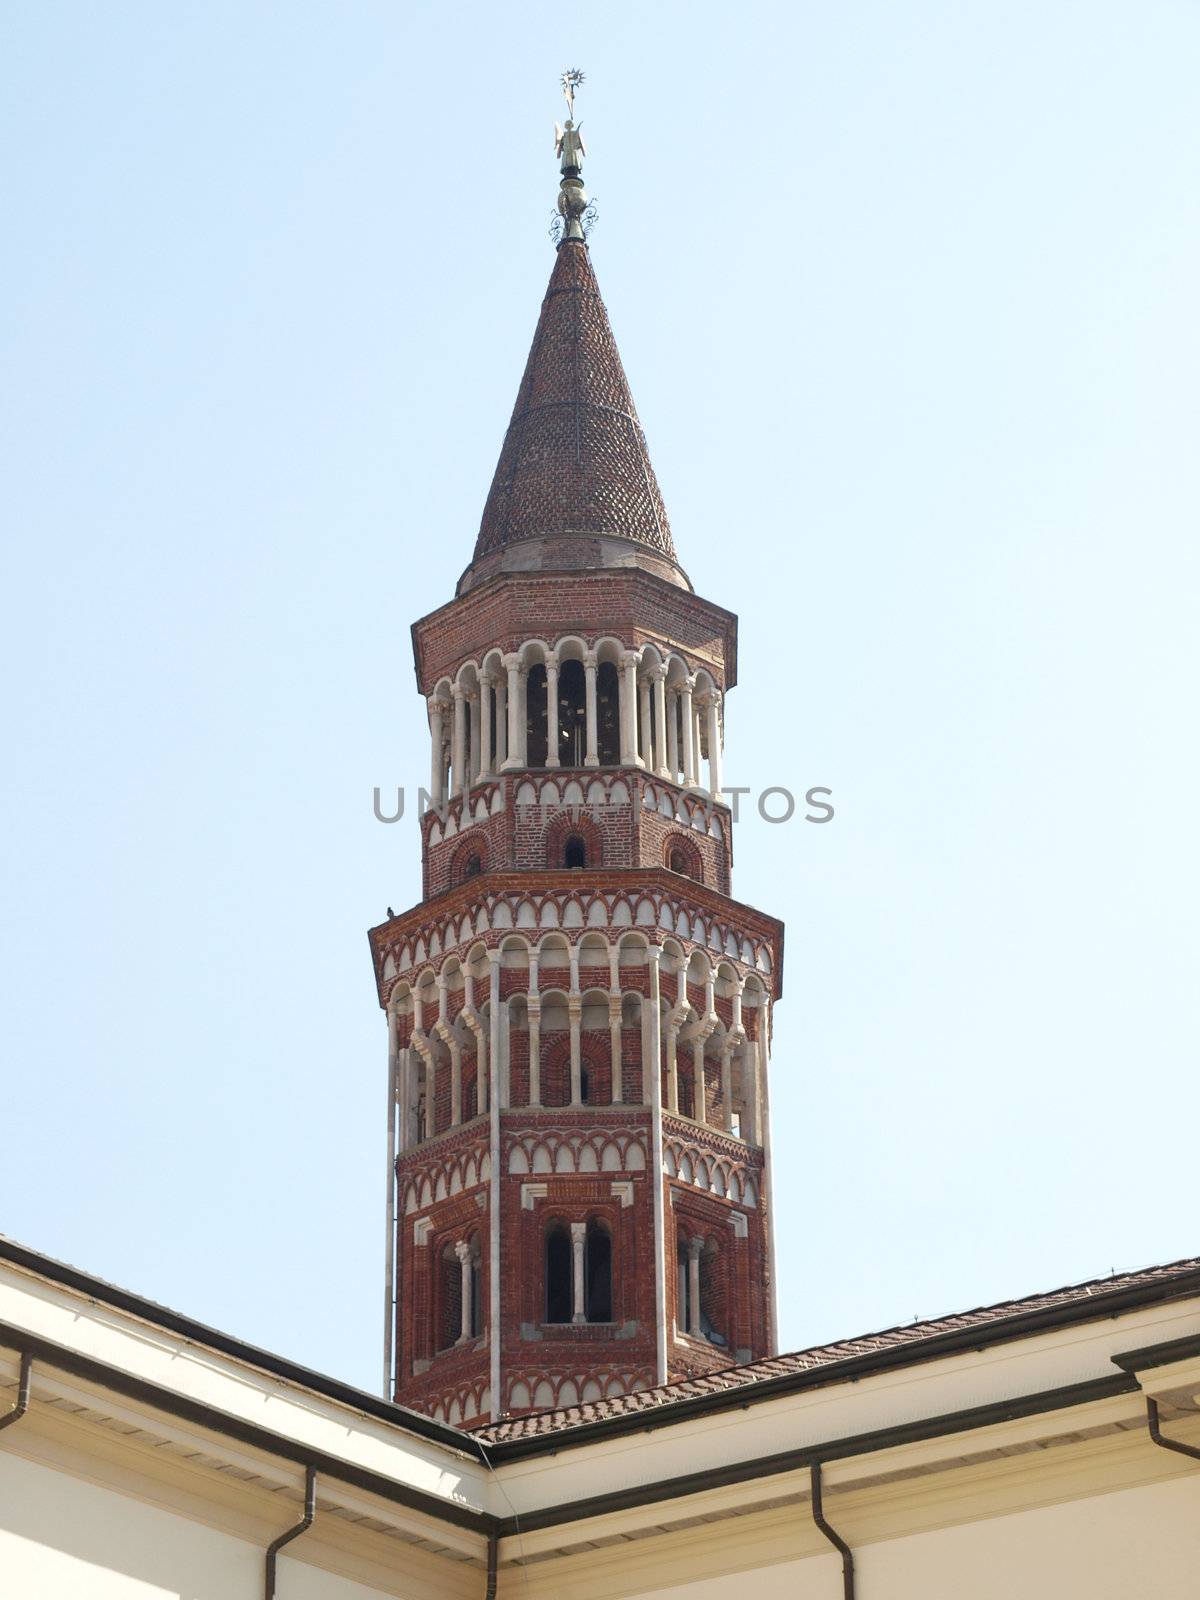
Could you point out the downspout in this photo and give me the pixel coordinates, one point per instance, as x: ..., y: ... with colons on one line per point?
x: 306, y: 1521
x: 1155, y: 1433
x: 23, y: 1385
x: 492, y: 1564
x: 838, y: 1543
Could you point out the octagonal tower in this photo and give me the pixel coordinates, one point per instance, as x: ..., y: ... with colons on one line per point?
x: 578, y: 1010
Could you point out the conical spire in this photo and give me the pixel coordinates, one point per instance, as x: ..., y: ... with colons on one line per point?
x: 573, y: 486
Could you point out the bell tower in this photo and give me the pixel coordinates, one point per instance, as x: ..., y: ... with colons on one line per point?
x: 578, y: 1011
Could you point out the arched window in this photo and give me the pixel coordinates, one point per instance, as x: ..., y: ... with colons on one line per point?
x: 597, y: 1273
x: 572, y: 714
x: 683, y: 1290
x: 558, y: 1273
x: 575, y: 852
x: 536, y: 724
x: 608, y: 715
x: 585, y: 1084
x: 678, y: 862
x: 474, y: 866
x: 449, y: 1308
x: 713, y: 1310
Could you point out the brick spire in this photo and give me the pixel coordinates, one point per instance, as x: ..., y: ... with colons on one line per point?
x: 574, y: 473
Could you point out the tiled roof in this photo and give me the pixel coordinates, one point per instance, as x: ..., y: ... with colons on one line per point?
x: 908, y: 1340
x: 574, y: 459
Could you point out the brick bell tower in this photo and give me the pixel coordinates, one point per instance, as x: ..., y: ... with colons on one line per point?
x: 578, y: 1010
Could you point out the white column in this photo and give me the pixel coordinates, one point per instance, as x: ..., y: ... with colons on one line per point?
x: 592, y: 757
x: 485, y: 726
x: 501, y: 722
x: 494, y: 1020
x: 699, y: 1098
x: 516, y: 713
x: 644, y: 749
x: 389, y: 1270
x: 727, y: 1086
x: 455, y: 1082
x: 552, y: 714
x: 535, y: 1050
x: 496, y: 1099
x: 578, y: 1236
x: 653, y: 1037
x: 458, y: 756
x: 437, y: 755
x: 712, y: 703
x: 658, y: 678
x: 628, y: 701
x: 463, y: 1251
x: 672, y: 1068
x: 614, y: 1036
x: 473, y: 703
x: 689, y: 735
x: 695, y: 1246
x: 574, y: 1016
x: 673, y: 732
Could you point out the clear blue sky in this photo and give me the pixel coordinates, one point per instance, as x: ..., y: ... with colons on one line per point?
x: 907, y: 297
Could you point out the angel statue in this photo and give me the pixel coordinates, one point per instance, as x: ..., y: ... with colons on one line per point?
x: 569, y: 146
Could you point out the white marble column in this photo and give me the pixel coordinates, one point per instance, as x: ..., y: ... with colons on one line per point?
x: 473, y: 736
x: 653, y: 1038
x: 673, y: 762
x: 727, y: 1085
x: 574, y: 1018
x: 644, y: 749
x: 516, y: 713
x: 659, y: 679
x: 552, y: 714
x: 628, y: 700
x: 694, y: 1248
x: 672, y: 1068
x: 495, y: 1097
x: 712, y: 705
x: 501, y: 722
x: 535, y: 1050
x: 689, y: 735
x: 614, y: 1037
x: 437, y: 749
x: 591, y: 757
x: 458, y: 757
x: 463, y: 1251
x: 485, y: 726
x: 699, y: 1098
x: 578, y: 1237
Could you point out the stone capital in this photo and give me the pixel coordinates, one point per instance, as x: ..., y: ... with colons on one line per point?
x: 463, y: 1251
x: 578, y: 1232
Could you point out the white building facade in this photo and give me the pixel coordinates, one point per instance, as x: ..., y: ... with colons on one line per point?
x: 1045, y: 1447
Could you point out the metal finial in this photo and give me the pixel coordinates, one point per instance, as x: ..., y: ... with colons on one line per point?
x: 569, y: 148
x: 571, y: 80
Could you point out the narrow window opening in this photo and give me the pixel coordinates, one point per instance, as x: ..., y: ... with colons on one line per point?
x: 597, y: 1273
x: 558, y: 1274
x: 608, y: 715
x: 449, y: 1298
x: 575, y: 852
x: 536, y: 722
x: 572, y: 714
